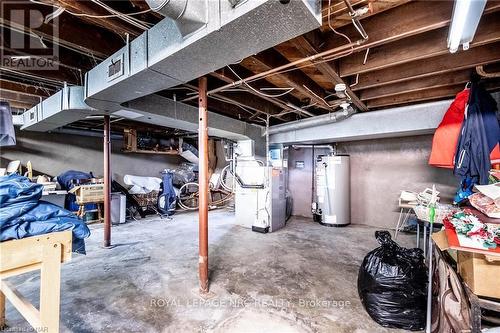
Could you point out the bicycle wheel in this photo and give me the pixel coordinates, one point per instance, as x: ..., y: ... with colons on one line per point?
x: 189, y: 196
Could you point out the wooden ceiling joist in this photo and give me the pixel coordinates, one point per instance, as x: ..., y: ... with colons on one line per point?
x: 85, y: 7
x: 71, y: 37
x: 60, y: 76
x: 436, y: 81
x: 18, y: 104
x: 26, y: 99
x: 295, y: 79
x: 429, y: 67
x: 307, y: 49
x: 425, y: 95
x: 422, y: 46
x: 340, y: 14
x: 399, y: 23
x: 228, y: 77
x: 7, y: 85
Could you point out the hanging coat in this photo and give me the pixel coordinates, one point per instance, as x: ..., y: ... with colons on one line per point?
x: 472, y: 158
x: 445, y: 140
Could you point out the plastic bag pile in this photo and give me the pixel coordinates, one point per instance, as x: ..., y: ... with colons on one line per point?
x: 392, y: 285
x: 23, y: 214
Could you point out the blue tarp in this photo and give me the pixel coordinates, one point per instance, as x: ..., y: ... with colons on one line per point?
x: 65, y: 180
x: 23, y: 214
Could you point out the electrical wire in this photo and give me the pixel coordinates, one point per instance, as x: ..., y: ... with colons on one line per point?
x: 314, y: 63
x: 115, y: 13
x: 311, y: 64
x: 257, y: 91
x: 129, y: 19
x: 335, y: 31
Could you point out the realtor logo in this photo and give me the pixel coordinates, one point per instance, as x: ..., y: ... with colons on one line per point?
x: 29, y: 36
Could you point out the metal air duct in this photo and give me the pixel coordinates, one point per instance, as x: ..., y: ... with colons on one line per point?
x: 171, y: 52
x: 62, y: 108
x: 189, y: 15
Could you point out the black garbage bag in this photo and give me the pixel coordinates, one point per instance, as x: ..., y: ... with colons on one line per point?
x: 392, y: 285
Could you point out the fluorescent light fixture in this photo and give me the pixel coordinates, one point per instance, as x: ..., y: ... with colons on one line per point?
x: 466, y: 16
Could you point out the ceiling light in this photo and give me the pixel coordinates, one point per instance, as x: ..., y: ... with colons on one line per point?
x: 465, y: 19
x: 340, y: 87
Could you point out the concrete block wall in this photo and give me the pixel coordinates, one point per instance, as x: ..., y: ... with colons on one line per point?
x: 52, y: 154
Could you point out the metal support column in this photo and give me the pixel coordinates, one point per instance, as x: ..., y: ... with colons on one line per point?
x: 107, y: 183
x: 203, y: 185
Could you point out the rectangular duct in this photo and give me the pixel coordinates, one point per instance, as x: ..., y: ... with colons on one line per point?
x: 62, y: 108
x: 163, y: 56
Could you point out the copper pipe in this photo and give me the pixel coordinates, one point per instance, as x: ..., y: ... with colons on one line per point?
x: 480, y: 70
x: 203, y: 185
x: 107, y: 183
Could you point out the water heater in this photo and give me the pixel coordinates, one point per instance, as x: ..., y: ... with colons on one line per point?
x: 332, y: 206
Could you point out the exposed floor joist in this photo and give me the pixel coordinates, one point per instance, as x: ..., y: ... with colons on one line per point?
x: 422, y: 46
x: 425, y: 95
x: 437, y: 81
x: 429, y: 67
x: 407, y: 62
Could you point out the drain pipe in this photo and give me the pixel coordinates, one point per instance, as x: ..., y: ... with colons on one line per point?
x: 314, y: 121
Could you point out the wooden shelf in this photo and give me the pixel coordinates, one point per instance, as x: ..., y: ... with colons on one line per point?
x: 130, y: 145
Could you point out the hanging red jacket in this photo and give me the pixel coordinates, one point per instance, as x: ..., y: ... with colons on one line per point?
x: 444, y: 143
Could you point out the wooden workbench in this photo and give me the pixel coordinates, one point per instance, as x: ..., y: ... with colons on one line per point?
x: 46, y: 253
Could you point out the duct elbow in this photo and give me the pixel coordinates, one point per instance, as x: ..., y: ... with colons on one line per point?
x: 189, y: 15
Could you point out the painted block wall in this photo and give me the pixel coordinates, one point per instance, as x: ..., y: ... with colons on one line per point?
x: 52, y: 154
x: 380, y: 169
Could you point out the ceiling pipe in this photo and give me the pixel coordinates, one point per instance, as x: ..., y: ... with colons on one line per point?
x: 314, y: 121
x: 329, y: 147
x: 355, y: 21
x: 480, y: 70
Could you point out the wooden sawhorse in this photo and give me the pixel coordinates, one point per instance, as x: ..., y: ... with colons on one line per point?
x: 46, y: 253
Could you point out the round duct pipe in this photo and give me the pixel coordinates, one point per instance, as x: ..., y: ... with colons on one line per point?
x: 314, y: 121
x: 189, y: 15
x: 169, y: 8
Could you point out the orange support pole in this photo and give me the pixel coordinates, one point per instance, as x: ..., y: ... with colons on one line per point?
x: 107, y: 183
x: 203, y: 185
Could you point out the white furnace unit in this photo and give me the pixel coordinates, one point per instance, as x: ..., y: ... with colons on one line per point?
x: 260, y: 198
x: 332, y: 206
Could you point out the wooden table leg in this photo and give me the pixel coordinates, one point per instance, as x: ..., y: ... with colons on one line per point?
x: 50, y: 287
x: 2, y: 310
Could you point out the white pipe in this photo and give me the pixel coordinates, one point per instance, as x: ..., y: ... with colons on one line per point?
x: 329, y: 147
x: 314, y: 121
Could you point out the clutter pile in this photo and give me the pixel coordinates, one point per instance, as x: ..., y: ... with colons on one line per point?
x: 471, y: 232
x: 23, y: 214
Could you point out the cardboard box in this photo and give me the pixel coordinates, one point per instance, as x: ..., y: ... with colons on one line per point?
x: 479, y: 270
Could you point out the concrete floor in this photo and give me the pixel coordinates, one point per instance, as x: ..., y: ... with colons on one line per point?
x: 299, y: 279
